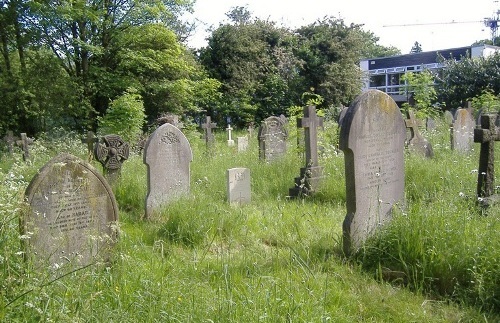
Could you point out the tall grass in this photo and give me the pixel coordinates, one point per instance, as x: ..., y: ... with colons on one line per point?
x: 274, y: 260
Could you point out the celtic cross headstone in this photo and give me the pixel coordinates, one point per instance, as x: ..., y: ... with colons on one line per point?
x: 111, y: 151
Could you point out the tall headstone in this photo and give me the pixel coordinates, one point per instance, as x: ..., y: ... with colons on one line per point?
x: 486, y: 136
x: 111, y: 151
x: 72, y: 214
x: 372, y: 137
x: 238, y: 186
x: 417, y: 143
x: 230, y: 141
x: 311, y: 174
x: 462, y: 132
x: 272, y: 139
x: 207, y: 128
x: 167, y: 155
x: 242, y: 143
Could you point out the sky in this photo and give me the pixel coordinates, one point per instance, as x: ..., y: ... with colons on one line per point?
x: 397, y: 23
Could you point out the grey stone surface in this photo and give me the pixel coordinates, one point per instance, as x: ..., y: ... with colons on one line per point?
x: 272, y: 139
x: 372, y: 137
x: 448, y: 117
x: 207, y: 130
x: 72, y: 214
x: 238, y: 186
x: 168, y: 157
x: 24, y: 143
x: 430, y: 124
x: 417, y: 143
x: 242, y: 143
x: 111, y: 151
x: 462, y: 132
x: 10, y: 140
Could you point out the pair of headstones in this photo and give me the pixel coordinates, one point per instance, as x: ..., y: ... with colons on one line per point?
x: 24, y: 142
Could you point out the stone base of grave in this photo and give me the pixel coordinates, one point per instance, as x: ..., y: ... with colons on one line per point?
x: 308, y: 182
x: 489, y: 201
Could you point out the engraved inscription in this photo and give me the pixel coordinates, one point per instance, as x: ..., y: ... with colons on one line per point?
x: 170, y: 138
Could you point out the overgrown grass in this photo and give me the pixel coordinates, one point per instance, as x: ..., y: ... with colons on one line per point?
x: 275, y: 259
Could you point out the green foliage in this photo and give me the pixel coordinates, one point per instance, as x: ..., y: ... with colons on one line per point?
x: 125, y: 117
x: 487, y: 101
x: 421, y: 86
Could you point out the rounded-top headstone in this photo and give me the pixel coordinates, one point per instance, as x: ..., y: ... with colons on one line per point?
x: 72, y: 214
x: 372, y: 137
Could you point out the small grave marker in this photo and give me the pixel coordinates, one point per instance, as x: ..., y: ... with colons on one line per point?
x: 311, y: 174
x: 417, y: 142
x: 372, y: 137
x: 486, y: 136
x: 167, y: 155
x: 10, y: 140
x: 448, y: 117
x: 111, y: 152
x: 272, y: 139
x: 230, y: 141
x: 72, y: 214
x: 242, y: 143
x: 238, y: 186
x: 24, y: 143
x: 462, y: 132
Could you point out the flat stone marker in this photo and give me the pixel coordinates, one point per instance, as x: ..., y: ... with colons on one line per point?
x: 207, y: 127
x: 311, y: 173
x: 72, y: 214
x: 372, y: 137
x: 417, y: 143
x: 230, y: 141
x: 462, y: 133
x: 168, y: 156
x: 486, y: 136
x: 111, y: 152
x: 272, y: 139
x: 238, y: 186
x: 242, y: 143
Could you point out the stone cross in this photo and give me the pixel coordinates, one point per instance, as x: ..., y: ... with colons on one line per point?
x: 111, y: 152
x: 24, y: 144
x: 90, y: 140
x: 230, y: 141
x: 10, y: 140
x: 417, y: 142
x: 312, y: 172
x: 486, y: 136
x: 208, y: 126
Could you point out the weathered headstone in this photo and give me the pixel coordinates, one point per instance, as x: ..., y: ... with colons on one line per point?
x: 486, y: 136
x: 111, y: 151
x: 448, y: 117
x: 430, y: 124
x: 417, y: 142
x: 207, y: 128
x: 90, y: 140
x: 242, y: 143
x: 462, y: 132
x: 24, y: 143
x: 372, y: 137
x: 167, y: 155
x: 72, y: 214
x: 10, y: 140
x: 238, y: 186
x: 311, y: 174
x: 230, y: 141
x: 342, y: 114
x: 272, y: 139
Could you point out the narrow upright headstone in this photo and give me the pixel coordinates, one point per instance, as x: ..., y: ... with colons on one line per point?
x: 238, y: 186
x: 242, y: 143
x: 168, y: 156
x: 111, y: 151
x: 207, y: 128
x: 486, y: 136
x: 417, y: 142
x: 10, y: 140
x: 72, y: 214
x: 430, y: 124
x: 311, y: 174
x: 462, y: 132
x: 448, y: 118
x: 230, y: 141
x: 272, y: 139
x: 372, y: 137
x: 24, y: 143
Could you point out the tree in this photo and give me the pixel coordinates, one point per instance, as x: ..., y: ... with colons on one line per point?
x: 423, y: 92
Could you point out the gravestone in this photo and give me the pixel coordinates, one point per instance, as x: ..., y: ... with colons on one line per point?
x: 448, y: 117
x: 417, y: 143
x: 486, y: 136
x: 167, y: 155
x: 72, y: 214
x: 311, y: 174
x: 430, y: 124
x: 207, y: 127
x: 250, y: 129
x: 372, y: 137
x: 10, y: 140
x: 90, y: 140
x: 111, y: 151
x: 24, y: 143
x: 171, y: 118
x: 342, y: 114
x: 238, y: 186
x: 462, y: 131
x: 272, y: 139
x: 230, y: 141
x: 242, y: 143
